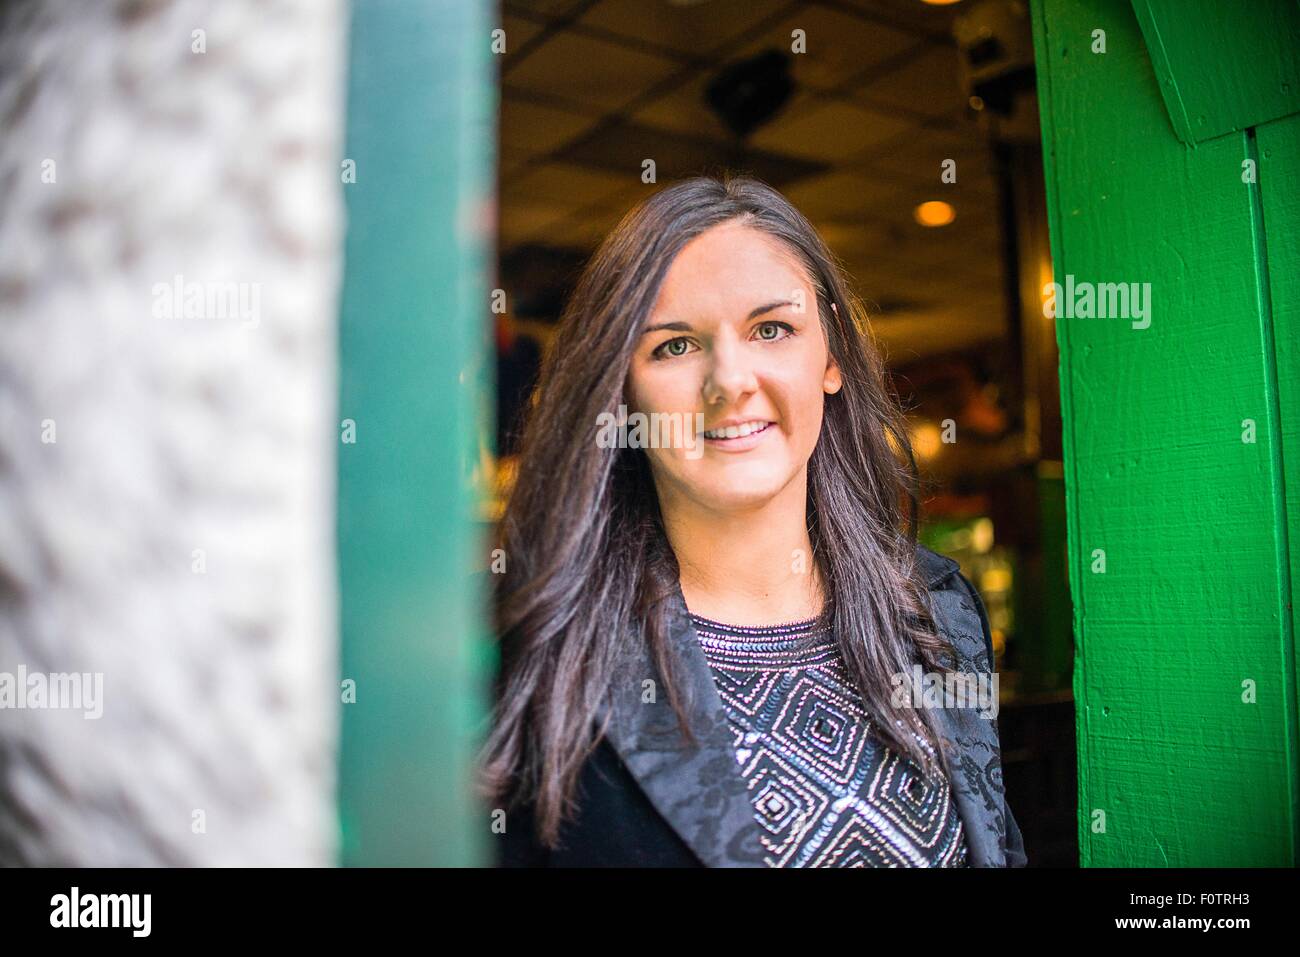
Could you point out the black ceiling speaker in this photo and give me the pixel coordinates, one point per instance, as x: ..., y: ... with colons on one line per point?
x: 996, y: 46
x: 747, y: 94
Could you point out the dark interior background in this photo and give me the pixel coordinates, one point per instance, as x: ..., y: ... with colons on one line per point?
x: 855, y: 131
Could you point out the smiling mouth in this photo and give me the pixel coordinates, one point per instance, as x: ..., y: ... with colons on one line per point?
x: 738, y: 431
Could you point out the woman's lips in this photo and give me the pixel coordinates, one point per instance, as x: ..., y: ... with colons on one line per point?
x: 741, y: 443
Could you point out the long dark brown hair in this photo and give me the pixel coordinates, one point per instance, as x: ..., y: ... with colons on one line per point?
x: 588, y: 564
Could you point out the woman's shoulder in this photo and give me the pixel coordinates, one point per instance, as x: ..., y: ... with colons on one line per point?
x: 957, y: 598
x: 936, y: 569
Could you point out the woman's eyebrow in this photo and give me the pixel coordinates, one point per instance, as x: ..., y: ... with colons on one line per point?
x: 759, y: 310
x: 686, y: 326
x: 674, y: 326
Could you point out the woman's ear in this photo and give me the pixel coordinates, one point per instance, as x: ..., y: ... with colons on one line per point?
x: 832, y: 381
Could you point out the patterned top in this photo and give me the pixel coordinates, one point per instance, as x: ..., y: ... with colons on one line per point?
x: 826, y: 792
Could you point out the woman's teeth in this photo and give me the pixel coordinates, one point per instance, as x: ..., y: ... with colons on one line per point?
x: 736, y: 431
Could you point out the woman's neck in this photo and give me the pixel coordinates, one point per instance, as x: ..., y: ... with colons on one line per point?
x: 752, y: 567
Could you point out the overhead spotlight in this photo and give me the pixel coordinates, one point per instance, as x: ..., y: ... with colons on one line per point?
x: 934, y: 213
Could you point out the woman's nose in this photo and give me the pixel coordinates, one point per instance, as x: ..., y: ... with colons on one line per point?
x: 731, y: 374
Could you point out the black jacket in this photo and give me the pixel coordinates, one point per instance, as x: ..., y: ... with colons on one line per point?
x: 648, y: 799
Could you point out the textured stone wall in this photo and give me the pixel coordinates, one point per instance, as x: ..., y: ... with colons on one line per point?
x: 170, y: 237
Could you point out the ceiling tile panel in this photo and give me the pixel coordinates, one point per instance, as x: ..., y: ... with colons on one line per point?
x: 583, y: 70
x: 928, y: 84
x: 532, y: 129
x: 839, y: 45
x: 827, y: 129
x: 564, y: 184
x: 692, y: 30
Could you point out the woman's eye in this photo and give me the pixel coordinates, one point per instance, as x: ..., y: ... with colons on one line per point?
x: 771, y: 330
x: 673, y: 348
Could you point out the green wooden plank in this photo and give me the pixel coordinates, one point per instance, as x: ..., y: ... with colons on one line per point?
x: 414, y: 371
x: 1223, y: 65
x: 1277, y: 152
x: 1157, y: 474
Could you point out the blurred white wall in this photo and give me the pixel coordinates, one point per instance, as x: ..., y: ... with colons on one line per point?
x: 167, y: 461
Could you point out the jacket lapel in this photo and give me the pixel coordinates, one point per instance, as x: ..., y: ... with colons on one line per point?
x: 699, y: 790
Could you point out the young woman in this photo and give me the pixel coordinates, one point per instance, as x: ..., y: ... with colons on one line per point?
x: 702, y: 638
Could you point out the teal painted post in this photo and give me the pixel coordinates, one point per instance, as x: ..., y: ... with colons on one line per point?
x: 414, y: 344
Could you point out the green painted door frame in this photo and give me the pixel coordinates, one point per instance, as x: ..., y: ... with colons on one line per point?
x: 414, y: 389
x: 1171, y: 135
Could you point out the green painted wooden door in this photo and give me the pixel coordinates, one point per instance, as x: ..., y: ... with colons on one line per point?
x: 1171, y: 136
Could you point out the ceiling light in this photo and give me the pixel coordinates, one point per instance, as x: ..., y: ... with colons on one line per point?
x: 935, y: 213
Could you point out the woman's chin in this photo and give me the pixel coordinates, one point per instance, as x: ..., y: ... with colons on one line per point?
x: 740, y: 492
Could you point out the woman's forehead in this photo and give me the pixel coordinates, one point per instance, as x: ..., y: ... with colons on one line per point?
x: 728, y: 272
x: 740, y: 247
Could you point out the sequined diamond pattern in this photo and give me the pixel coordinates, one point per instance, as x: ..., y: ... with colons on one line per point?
x: 826, y: 791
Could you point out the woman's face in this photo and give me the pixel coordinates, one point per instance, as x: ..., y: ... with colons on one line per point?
x: 734, y: 335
